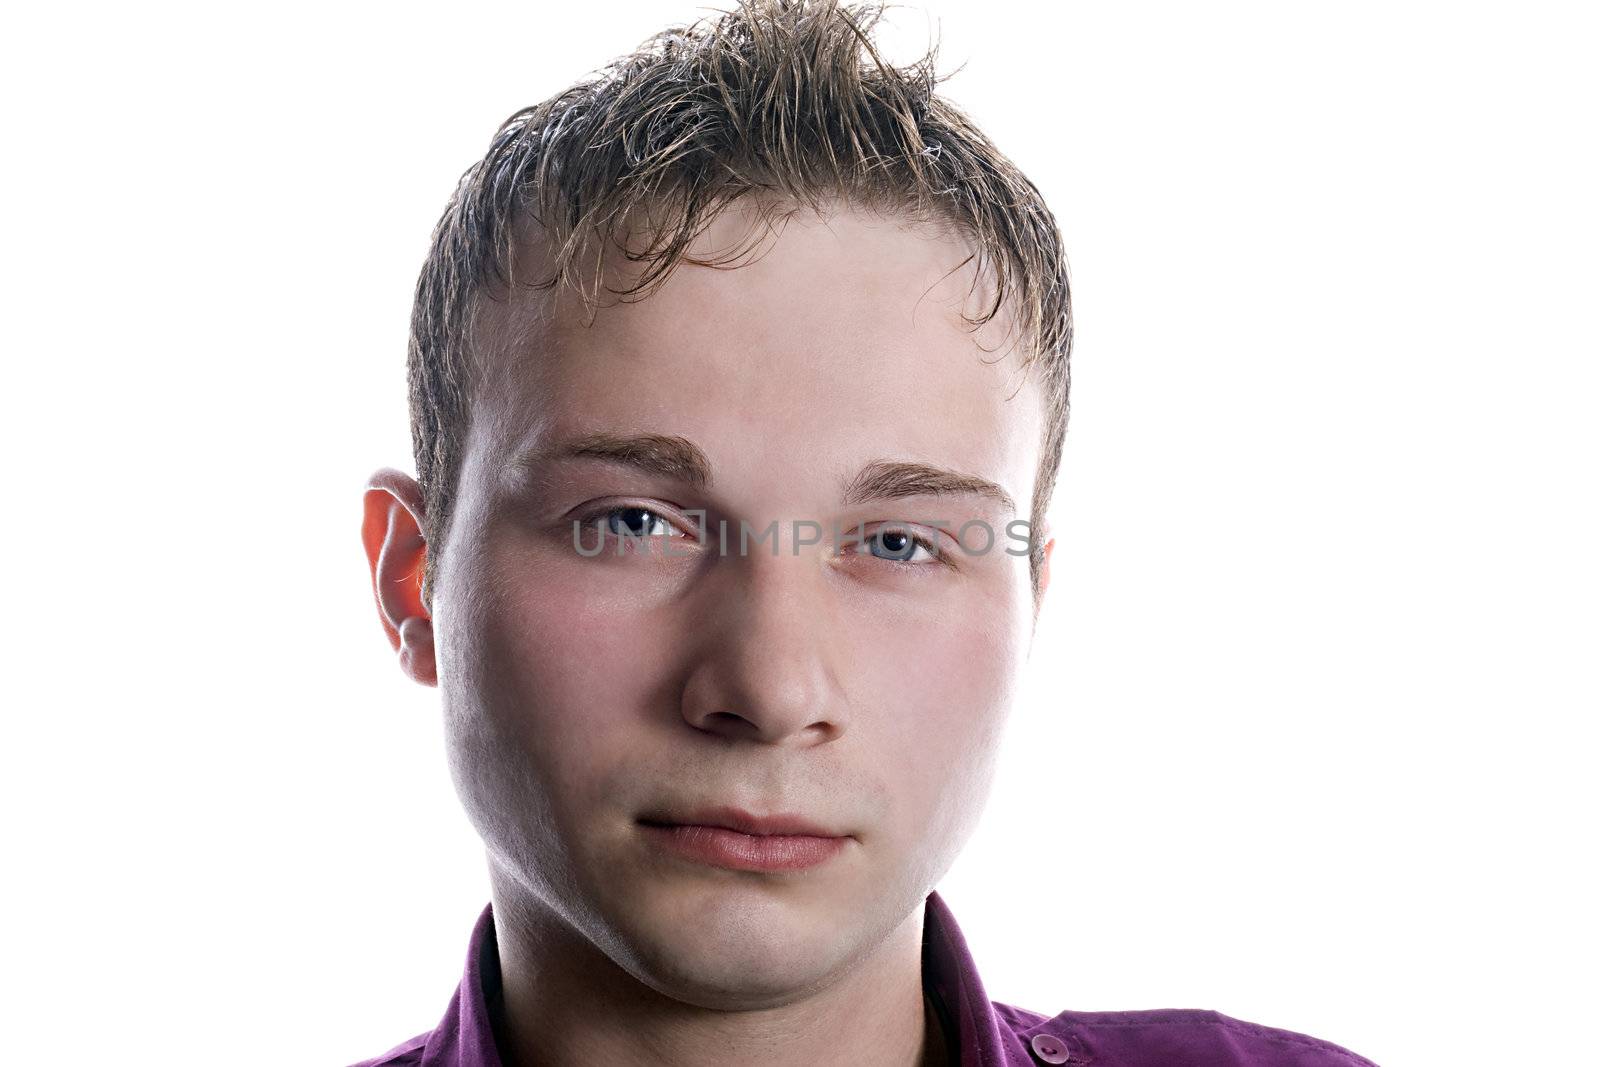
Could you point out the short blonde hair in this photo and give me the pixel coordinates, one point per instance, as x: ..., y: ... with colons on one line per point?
x: 788, y: 99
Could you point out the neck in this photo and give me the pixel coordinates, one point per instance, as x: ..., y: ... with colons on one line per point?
x: 567, y: 1003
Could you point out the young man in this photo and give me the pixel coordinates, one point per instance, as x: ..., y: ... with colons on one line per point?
x: 721, y: 582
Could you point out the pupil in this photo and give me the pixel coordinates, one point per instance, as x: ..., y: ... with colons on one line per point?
x: 904, y: 538
x: 624, y: 514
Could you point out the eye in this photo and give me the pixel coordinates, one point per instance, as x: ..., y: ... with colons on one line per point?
x: 896, y: 545
x: 627, y: 524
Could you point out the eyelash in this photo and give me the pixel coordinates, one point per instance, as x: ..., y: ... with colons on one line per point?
x: 588, y: 519
x: 916, y: 539
x: 926, y: 544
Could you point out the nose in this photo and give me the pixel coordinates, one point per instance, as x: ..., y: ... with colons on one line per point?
x: 765, y: 663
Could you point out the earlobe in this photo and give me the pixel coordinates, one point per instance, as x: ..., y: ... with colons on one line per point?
x: 391, y: 533
x: 416, y: 650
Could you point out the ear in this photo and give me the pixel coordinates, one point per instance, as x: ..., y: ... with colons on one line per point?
x: 1044, y: 564
x: 391, y: 532
x: 1044, y: 576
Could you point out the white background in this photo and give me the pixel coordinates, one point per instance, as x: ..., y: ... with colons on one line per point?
x: 1309, y: 731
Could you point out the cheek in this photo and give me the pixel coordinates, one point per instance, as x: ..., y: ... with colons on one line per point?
x: 540, y: 718
x: 940, y: 695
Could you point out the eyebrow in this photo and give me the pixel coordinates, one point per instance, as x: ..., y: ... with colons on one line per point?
x: 892, y: 479
x: 662, y: 455
x: 680, y: 459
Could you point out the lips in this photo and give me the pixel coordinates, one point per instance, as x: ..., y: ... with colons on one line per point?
x: 734, y: 839
x: 781, y: 824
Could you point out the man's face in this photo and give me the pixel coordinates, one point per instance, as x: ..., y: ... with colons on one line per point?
x: 583, y: 693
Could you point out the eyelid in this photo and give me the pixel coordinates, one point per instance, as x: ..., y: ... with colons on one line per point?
x: 668, y: 513
x: 928, y: 531
x: 941, y: 556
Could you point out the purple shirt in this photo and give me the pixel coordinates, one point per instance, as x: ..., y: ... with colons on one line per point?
x: 986, y: 1033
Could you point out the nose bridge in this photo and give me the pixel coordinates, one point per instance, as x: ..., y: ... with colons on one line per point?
x: 765, y: 670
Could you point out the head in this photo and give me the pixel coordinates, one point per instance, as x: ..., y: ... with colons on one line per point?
x: 835, y: 304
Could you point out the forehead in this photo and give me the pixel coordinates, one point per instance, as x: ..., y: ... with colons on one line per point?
x: 834, y: 341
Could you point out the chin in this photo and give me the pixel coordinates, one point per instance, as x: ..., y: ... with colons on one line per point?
x: 734, y: 973
x: 730, y: 946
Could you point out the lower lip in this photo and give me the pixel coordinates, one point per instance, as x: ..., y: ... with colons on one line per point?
x: 721, y: 847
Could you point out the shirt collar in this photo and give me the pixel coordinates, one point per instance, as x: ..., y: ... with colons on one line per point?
x: 465, y: 1036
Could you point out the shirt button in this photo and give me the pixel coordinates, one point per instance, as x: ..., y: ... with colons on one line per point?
x: 1049, y: 1049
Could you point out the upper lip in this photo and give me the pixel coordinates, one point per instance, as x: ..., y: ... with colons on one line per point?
x: 745, y: 822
